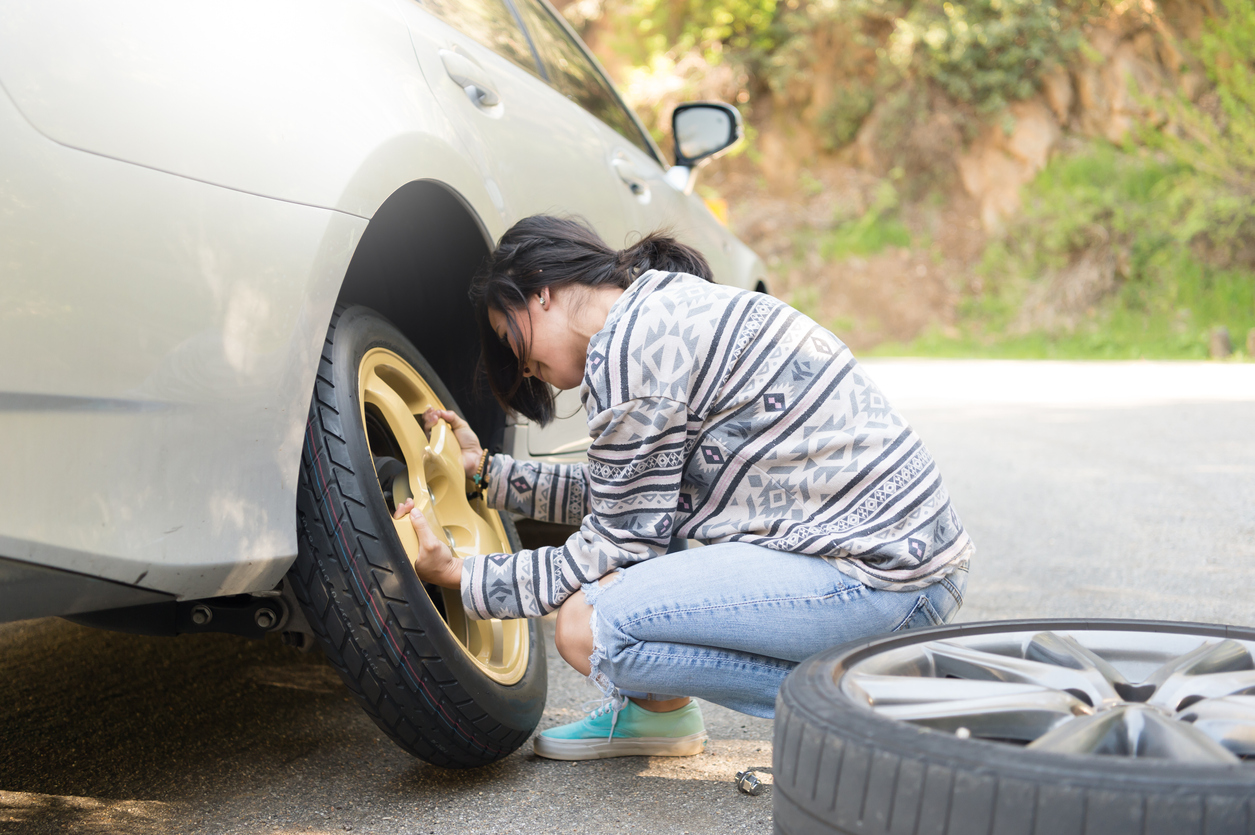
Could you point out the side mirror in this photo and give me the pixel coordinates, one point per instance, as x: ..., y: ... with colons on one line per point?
x: 702, y: 130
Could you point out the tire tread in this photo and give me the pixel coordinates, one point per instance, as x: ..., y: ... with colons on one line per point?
x: 350, y: 597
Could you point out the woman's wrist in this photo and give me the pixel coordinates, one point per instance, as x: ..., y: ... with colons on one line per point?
x: 451, y: 577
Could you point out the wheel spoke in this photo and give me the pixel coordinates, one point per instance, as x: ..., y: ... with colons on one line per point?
x: 1097, y: 734
x: 883, y: 691
x: 403, y: 425
x: 413, y: 443
x: 965, y: 662
x: 1210, y: 671
x: 1066, y: 651
x: 469, y: 533
x: 1024, y: 715
x: 1229, y: 721
x: 1134, y: 731
x: 1163, y: 737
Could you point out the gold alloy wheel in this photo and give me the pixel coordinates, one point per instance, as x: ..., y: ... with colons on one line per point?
x: 410, y: 464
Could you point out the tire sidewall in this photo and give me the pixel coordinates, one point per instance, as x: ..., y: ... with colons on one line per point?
x: 813, y: 692
x: 518, y: 705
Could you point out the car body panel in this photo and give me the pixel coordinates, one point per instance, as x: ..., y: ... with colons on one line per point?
x: 154, y: 386
x: 182, y: 189
x: 277, y: 98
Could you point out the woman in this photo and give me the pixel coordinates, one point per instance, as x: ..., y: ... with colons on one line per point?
x: 718, y: 415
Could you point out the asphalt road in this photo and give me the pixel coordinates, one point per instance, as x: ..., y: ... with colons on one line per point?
x: 1091, y: 490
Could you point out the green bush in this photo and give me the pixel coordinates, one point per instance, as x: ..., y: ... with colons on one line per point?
x: 1215, y: 139
x: 985, y: 53
x: 711, y: 26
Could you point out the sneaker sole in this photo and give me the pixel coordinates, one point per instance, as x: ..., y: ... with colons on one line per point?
x: 600, y: 749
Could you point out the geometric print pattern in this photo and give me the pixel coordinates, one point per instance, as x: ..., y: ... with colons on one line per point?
x: 723, y: 415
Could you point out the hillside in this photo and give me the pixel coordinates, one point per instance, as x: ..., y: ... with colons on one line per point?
x: 1001, y: 177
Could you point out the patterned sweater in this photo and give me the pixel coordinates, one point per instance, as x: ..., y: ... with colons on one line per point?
x: 722, y: 415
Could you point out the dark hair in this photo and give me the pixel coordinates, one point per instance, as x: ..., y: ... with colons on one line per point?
x: 544, y: 251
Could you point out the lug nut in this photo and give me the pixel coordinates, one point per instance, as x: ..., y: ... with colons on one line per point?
x: 266, y: 618
x: 201, y: 614
x: 748, y: 782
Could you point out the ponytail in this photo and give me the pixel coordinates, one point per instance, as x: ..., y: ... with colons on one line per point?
x: 544, y: 251
x: 658, y: 251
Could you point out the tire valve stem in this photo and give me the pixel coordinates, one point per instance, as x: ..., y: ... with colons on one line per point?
x: 748, y: 782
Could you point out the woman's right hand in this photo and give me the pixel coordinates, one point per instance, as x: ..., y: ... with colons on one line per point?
x: 435, y: 561
x: 466, y: 438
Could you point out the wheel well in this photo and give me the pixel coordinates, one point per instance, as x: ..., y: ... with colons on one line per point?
x: 414, y: 265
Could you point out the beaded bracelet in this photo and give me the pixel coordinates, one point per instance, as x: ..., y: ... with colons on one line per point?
x: 480, y: 479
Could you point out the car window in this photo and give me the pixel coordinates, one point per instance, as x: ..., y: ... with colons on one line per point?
x: 491, y: 23
x: 572, y: 73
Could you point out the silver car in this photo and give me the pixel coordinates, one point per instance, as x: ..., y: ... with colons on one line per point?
x: 235, y: 244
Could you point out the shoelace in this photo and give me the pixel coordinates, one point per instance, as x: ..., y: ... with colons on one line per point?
x: 598, y: 707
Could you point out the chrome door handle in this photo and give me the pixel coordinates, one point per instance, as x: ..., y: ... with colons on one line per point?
x: 471, y: 77
x: 631, y: 178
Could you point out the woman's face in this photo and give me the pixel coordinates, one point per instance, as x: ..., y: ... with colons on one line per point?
x: 552, y: 348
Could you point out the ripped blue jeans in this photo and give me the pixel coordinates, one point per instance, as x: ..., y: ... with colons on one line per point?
x: 727, y: 622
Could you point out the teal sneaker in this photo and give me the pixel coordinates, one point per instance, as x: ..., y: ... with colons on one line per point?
x: 629, y: 731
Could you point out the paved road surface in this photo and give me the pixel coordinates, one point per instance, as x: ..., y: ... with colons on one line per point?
x: 1095, y: 489
x: 1091, y: 489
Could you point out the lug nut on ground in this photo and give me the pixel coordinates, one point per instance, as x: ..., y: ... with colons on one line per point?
x: 748, y: 782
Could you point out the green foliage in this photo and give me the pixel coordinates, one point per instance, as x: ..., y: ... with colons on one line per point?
x: 981, y: 53
x: 1176, y: 218
x: 711, y: 26
x: 985, y: 53
x: 1171, y: 217
x: 1119, y: 203
x: 841, y: 120
x: 878, y: 228
x: 1216, y: 140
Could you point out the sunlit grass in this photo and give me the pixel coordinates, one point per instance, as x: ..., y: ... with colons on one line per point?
x: 1168, y: 300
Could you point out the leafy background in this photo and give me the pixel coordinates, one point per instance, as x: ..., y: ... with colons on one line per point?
x: 1020, y: 178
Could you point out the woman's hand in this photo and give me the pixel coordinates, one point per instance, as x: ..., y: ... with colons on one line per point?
x: 435, y: 561
x: 466, y: 438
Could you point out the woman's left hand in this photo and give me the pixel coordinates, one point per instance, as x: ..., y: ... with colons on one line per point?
x: 467, y: 440
x: 435, y: 562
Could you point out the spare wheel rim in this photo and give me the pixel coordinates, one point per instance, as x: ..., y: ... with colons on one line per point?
x: 1167, y: 695
x: 394, y: 396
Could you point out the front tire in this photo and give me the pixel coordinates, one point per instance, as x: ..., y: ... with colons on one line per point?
x: 455, y: 692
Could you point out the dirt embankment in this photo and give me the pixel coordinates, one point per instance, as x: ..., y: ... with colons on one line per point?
x: 958, y: 174
x: 891, y: 295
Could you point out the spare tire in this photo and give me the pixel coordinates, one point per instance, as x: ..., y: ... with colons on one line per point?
x: 453, y: 691
x: 1106, y: 727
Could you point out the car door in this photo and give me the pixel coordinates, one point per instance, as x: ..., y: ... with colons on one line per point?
x: 539, y: 152
x: 535, y: 157
x: 653, y: 201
